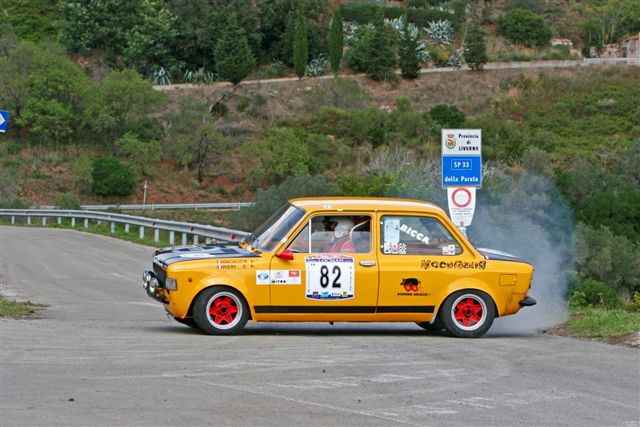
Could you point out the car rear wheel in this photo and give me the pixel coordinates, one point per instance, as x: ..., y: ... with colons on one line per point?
x: 468, y: 313
x: 220, y: 311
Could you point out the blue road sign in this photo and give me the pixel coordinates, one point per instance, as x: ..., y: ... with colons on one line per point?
x: 4, y: 119
x: 461, y: 171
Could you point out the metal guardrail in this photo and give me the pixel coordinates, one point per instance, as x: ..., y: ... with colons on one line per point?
x: 196, y: 206
x: 185, y: 228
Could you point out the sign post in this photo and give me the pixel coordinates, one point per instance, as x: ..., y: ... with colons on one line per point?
x: 461, y: 172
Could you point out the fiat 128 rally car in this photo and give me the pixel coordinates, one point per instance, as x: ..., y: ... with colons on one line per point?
x: 343, y: 260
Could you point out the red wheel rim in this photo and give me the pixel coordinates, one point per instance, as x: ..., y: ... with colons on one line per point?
x: 223, y: 310
x: 469, y: 312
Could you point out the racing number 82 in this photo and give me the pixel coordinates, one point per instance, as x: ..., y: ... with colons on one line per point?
x: 324, y: 276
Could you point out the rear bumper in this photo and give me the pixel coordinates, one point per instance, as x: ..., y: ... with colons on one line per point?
x: 528, y: 302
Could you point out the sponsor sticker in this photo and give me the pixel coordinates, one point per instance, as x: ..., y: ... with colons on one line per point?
x: 278, y: 277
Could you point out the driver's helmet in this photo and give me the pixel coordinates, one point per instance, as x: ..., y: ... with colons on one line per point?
x: 342, y: 226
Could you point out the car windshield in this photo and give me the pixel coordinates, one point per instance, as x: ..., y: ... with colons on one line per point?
x: 271, y: 232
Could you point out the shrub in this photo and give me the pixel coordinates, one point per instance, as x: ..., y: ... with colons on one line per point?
x: 634, y: 303
x: 317, y: 66
x: 139, y: 154
x: 277, y: 68
x: 590, y: 292
x: 447, y: 116
x: 340, y: 92
x: 111, y: 177
x: 14, y: 203
x: 270, y: 200
x: 523, y: 27
x: 67, y: 201
x: 82, y: 174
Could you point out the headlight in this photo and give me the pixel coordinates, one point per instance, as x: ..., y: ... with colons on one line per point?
x: 171, y: 284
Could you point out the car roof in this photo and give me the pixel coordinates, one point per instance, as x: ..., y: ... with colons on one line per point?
x: 364, y: 203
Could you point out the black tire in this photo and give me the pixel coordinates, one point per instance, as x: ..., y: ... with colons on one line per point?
x: 436, y: 326
x: 468, y: 313
x: 189, y: 321
x: 220, y: 311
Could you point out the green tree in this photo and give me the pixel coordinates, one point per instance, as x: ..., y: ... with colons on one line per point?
x: 234, y: 60
x: 381, y: 52
x: 193, y: 138
x: 300, y: 45
x: 336, y: 42
x: 139, y: 154
x: 121, y: 102
x: 409, y: 57
x: 151, y: 43
x: 447, y: 115
x: 279, y: 154
x: 476, y: 51
x: 523, y: 27
x: 43, y: 90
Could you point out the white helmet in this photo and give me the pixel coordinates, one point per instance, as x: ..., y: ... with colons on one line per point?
x: 343, y: 226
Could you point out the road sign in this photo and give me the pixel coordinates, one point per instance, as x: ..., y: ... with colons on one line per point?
x: 462, y: 157
x: 462, y: 205
x: 4, y: 120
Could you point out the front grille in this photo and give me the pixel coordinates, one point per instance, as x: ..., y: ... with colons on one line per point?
x: 161, y: 274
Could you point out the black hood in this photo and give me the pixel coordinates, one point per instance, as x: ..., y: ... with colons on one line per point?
x: 167, y: 256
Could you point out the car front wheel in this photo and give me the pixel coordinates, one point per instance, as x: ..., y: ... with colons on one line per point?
x: 220, y: 311
x: 468, y: 313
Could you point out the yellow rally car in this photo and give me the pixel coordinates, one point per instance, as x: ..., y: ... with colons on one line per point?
x: 343, y: 260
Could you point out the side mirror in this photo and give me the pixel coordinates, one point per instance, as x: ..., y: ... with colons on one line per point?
x: 287, y: 254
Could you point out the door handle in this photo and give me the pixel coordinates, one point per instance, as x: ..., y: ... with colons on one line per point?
x: 367, y: 263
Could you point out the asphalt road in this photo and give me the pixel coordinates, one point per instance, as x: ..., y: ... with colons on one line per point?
x: 103, y: 354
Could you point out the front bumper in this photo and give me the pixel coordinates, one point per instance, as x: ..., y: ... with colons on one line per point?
x: 528, y: 302
x: 152, y: 286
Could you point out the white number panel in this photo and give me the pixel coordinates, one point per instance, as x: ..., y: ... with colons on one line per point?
x: 329, y: 277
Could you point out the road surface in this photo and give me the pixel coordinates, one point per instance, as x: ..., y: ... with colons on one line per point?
x: 104, y: 354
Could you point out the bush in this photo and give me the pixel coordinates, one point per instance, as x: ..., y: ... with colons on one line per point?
x: 340, y: 92
x: 111, y: 177
x: 67, y: 201
x: 139, y: 154
x: 523, y: 27
x: 592, y: 293
x: 447, y: 116
x: 14, y: 203
x: 634, y: 303
x: 277, y: 68
x: 270, y: 200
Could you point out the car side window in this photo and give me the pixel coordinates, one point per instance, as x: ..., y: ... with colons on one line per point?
x: 334, y: 234
x: 416, y: 235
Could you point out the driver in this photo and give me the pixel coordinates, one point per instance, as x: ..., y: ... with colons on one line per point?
x: 342, y: 242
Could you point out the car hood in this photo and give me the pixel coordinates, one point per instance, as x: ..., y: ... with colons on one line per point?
x: 167, y: 256
x: 493, y: 254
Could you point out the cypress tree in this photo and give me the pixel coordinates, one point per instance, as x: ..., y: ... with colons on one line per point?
x: 476, y: 50
x: 300, y: 46
x: 233, y: 57
x: 336, y: 41
x: 409, y: 58
x: 380, y: 51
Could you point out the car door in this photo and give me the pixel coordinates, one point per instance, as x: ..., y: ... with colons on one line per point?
x: 417, y: 256
x: 328, y: 277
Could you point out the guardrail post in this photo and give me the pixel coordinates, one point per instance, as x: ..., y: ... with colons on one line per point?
x: 86, y: 223
x: 113, y: 227
x: 171, y: 238
x: 207, y: 241
x: 156, y: 234
x: 29, y: 220
x: 44, y: 221
x: 141, y: 232
x: 13, y: 220
x: 126, y: 228
x: 59, y: 220
x: 73, y: 222
x: 195, y: 239
x: 184, y: 239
